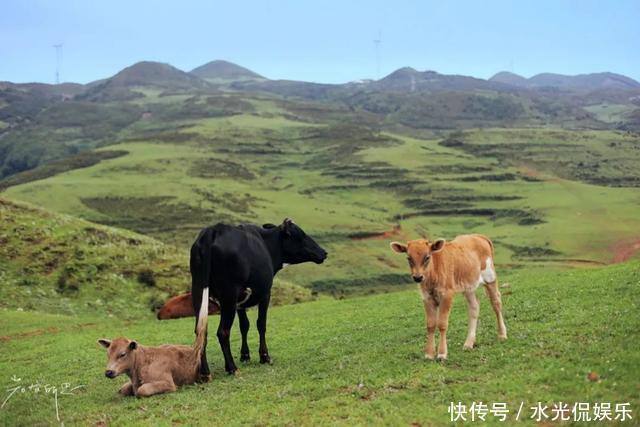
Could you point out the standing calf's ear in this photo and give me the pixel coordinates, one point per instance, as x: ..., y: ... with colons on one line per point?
x: 133, y: 345
x: 105, y: 343
x: 398, y: 247
x: 438, y: 245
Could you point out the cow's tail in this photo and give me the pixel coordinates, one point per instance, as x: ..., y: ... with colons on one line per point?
x: 201, y: 328
x: 207, y: 260
x: 490, y: 244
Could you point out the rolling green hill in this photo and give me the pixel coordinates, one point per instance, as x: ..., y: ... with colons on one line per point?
x: 60, y: 264
x: 43, y: 123
x: 547, y: 197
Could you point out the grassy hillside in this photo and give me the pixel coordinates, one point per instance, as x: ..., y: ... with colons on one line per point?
x: 60, y: 264
x: 356, y: 361
x: 531, y: 190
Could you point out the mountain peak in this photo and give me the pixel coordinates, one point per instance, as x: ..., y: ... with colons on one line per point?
x: 145, y: 73
x: 509, y: 78
x: 225, y: 70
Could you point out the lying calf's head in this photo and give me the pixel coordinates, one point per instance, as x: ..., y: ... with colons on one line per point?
x: 119, y: 355
x: 297, y: 246
x: 419, y: 255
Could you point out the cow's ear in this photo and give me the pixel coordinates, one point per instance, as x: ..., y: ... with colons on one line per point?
x: 133, y: 345
x: 438, y: 245
x: 286, y: 226
x: 287, y: 222
x: 398, y: 247
x: 104, y: 342
x: 269, y: 226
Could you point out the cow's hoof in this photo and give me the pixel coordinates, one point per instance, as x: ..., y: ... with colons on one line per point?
x: 429, y: 356
x: 468, y: 346
x: 204, y: 378
x: 245, y: 357
x: 265, y: 359
x: 442, y: 357
x: 502, y: 337
x: 233, y: 371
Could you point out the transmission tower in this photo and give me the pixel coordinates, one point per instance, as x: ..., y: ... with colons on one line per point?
x: 58, y: 48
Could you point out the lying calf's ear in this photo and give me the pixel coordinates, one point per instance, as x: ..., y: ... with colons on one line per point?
x: 268, y: 226
x: 133, y: 345
x: 104, y: 342
x: 398, y: 247
x: 438, y: 245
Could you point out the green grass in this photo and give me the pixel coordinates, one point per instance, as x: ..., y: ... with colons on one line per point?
x: 610, y: 113
x: 355, y: 361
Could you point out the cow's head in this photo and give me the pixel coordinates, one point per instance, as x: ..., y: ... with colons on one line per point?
x: 119, y: 355
x: 297, y: 246
x: 419, y: 255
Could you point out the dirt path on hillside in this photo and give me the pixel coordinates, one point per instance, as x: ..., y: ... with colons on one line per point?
x: 623, y: 251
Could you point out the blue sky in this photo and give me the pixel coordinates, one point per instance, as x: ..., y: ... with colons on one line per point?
x: 323, y: 41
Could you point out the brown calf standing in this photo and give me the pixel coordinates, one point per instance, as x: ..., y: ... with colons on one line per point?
x: 153, y: 370
x: 444, y: 269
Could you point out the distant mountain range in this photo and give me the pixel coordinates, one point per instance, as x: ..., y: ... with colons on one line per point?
x: 403, y: 80
x: 592, y: 81
x: 42, y: 122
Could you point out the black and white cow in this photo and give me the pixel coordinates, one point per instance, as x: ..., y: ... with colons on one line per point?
x: 238, y: 263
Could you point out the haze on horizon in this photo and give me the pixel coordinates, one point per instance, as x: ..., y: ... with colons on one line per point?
x: 329, y: 42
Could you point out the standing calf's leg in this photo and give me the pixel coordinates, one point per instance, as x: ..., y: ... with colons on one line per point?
x: 496, y: 301
x: 227, y: 315
x: 443, y: 324
x: 473, y: 307
x: 244, y: 329
x: 431, y: 315
x: 262, y: 329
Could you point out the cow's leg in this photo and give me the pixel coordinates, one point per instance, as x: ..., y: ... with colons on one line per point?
x: 262, y: 329
x: 227, y: 315
x: 443, y: 323
x: 473, y: 307
x: 156, y: 387
x: 196, y: 298
x: 127, y: 389
x: 244, y: 329
x: 431, y: 316
x: 496, y: 301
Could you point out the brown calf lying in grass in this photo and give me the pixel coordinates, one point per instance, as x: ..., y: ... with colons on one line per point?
x: 182, y: 306
x: 444, y: 269
x: 153, y: 370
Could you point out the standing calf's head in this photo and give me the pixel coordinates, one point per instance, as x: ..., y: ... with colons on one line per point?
x: 297, y: 246
x: 419, y: 255
x: 119, y: 355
